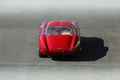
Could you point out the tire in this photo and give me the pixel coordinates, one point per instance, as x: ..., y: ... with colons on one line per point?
x: 41, y: 54
x: 78, y: 53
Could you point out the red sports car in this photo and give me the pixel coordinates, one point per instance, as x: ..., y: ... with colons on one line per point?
x: 59, y: 38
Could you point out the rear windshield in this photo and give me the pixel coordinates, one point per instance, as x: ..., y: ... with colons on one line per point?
x: 59, y: 31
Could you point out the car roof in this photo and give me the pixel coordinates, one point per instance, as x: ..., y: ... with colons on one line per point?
x: 58, y: 23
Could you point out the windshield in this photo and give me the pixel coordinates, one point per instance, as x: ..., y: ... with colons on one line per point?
x: 59, y: 31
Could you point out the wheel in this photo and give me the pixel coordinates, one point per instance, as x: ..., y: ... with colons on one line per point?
x: 78, y: 53
x: 41, y: 54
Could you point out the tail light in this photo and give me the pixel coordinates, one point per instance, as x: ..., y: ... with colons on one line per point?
x: 46, y: 49
x: 73, y: 48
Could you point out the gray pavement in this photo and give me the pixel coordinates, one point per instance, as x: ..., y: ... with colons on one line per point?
x: 100, y: 34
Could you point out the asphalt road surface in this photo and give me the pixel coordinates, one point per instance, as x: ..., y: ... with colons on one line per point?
x: 100, y: 34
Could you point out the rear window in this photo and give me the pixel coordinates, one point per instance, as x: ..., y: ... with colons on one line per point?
x: 59, y: 31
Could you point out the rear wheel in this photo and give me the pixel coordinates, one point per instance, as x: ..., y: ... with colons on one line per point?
x: 41, y: 54
x: 78, y: 53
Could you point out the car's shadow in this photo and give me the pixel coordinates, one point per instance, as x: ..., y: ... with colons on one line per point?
x: 92, y: 50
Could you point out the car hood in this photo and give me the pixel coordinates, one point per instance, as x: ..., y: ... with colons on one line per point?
x: 57, y: 42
